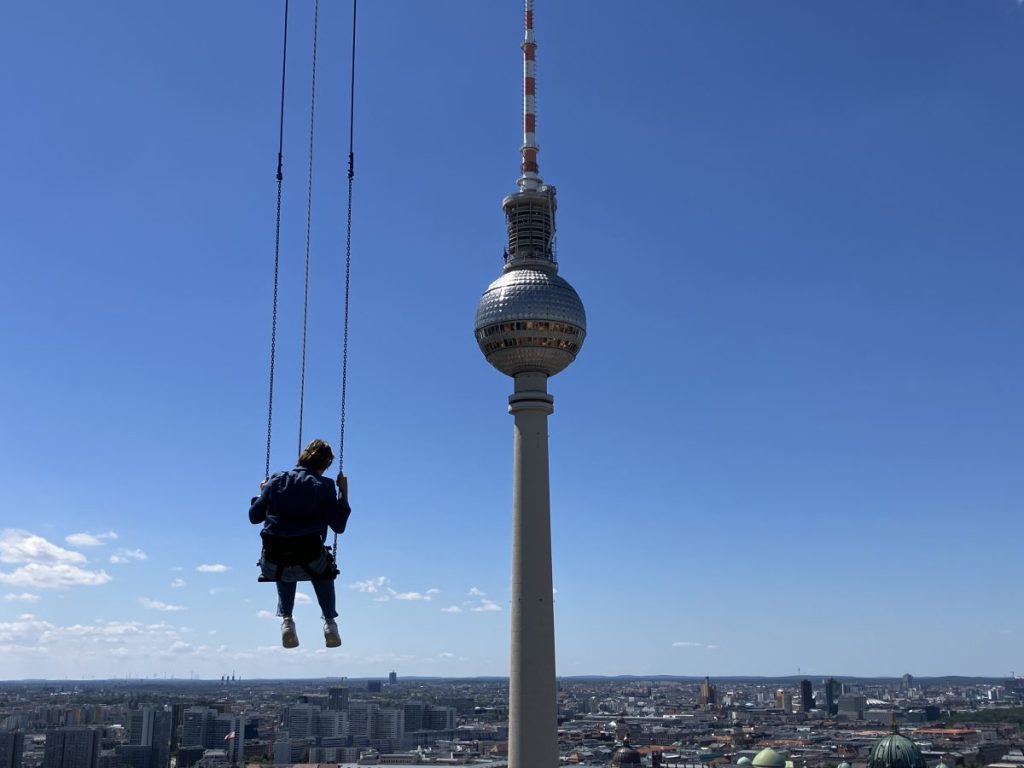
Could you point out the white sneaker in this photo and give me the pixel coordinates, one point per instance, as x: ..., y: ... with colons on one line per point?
x: 289, y: 638
x: 331, y: 636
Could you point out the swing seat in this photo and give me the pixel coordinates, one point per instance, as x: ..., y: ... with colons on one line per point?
x: 296, y: 558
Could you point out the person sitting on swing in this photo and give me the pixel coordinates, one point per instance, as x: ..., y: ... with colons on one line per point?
x: 296, y: 507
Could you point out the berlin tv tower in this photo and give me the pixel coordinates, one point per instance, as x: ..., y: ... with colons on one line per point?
x: 530, y: 324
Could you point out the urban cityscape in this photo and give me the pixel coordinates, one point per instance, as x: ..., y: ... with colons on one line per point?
x: 864, y: 444
x: 666, y: 721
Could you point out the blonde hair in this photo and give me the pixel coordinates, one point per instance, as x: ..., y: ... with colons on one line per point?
x: 316, y: 456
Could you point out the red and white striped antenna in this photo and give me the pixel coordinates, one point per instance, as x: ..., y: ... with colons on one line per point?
x: 530, y: 179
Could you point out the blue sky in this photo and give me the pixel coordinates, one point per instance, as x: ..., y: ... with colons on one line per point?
x: 794, y: 436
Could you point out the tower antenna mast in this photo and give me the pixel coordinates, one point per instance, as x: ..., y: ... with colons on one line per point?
x: 529, y: 178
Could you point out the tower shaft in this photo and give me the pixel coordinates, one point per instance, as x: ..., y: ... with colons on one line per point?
x: 533, y: 714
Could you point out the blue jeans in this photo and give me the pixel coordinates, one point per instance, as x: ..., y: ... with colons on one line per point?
x: 324, y: 594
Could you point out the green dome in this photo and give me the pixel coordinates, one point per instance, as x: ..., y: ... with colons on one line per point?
x: 844, y: 764
x: 942, y: 765
x: 769, y: 758
x: 896, y: 751
x: 626, y: 755
x: 743, y: 761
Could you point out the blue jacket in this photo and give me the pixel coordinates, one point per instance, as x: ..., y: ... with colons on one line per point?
x: 299, y: 502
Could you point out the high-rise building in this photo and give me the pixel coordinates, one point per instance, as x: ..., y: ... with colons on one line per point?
x: 391, y: 727
x: 832, y: 693
x: 197, y: 726
x: 74, y: 747
x: 337, y: 699
x: 331, y: 725
x: 301, y: 720
x: 851, y: 706
x: 134, y: 755
x: 392, y: 678
x: 907, y: 683
x: 806, y: 696
x: 784, y: 701
x: 414, y: 714
x: 708, y: 697
x: 530, y: 324
x: 12, y: 747
x: 362, y: 718
x: 151, y: 727
x: 439, y: 718
x: 234, y: 739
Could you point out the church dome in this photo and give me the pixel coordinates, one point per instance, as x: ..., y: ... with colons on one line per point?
x: 743, y: 761
x: 626, y: 755
x: 769, y: 758
x: 844, y: 764
x: 896, y: 751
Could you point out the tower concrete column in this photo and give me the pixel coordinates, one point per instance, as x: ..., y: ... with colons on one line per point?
x: 533, y: 715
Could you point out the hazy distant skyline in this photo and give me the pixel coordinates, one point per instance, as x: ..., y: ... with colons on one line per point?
x: 793, y: 440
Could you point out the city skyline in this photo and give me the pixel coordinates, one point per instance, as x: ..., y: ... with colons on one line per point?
x: 797, y: 233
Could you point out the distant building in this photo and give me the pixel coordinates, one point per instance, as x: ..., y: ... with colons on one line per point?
x: 784, y: 701
x: 337, y: 699
x: 832, y: 696
x: 152, y: 727
x: 392, y: 678
x: 374, y: 686
x: 708, y: 698
x: 72, y: 748
x: 806, y: 696
x: 852, y: 706
x: 12, y: 747
x: 907, y: 683
x: 362, y: 719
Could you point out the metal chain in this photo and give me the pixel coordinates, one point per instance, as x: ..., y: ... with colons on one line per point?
x: 309, y: 224
x: 348, y: 253
x: 277, y: 247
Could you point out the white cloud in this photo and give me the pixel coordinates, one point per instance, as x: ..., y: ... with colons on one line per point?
x: 43, y: 565
x: 221, y: 590
x: 301, y: 598
x: 476, y: 592
x: 412, y: 596
x: 157, y: 605
x: 266, y: 615
x: 370, y: 585
x: 24, y: 596
x: 691, y: 644
x: 23, y: 547
x: 178, y: 583
x: 53, y: 576
x: 31, y: 638
x: 89, y: 539
x: 212, y: 568
x: 127, y: 555
x: 380, y: 587
x: 451, y: 609
x: 487, y: 605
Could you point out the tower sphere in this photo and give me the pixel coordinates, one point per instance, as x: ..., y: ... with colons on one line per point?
x: 530, y: 320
